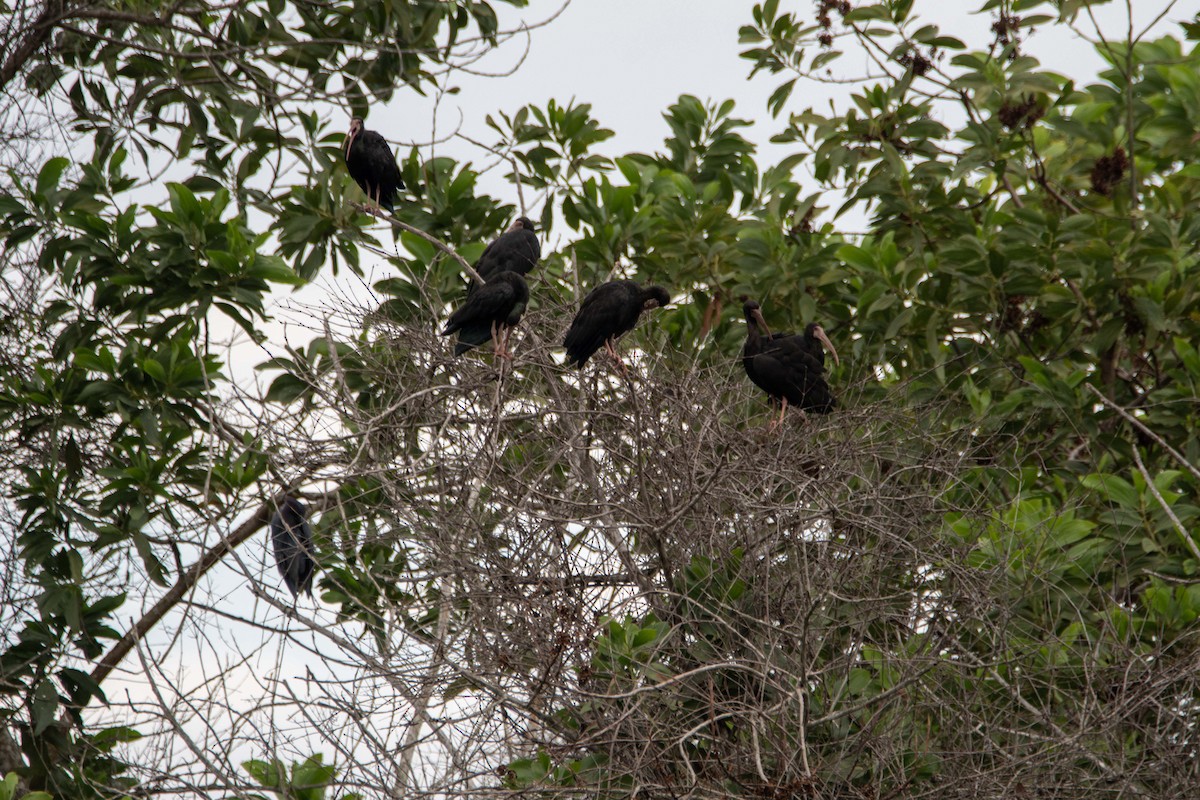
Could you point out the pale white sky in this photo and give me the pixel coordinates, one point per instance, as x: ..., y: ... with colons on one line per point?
x: 632, y: 58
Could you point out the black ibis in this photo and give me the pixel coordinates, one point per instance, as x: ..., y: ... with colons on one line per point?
x: 490, y: 311
x: 372, y: 164
x: 291, y: 538
x: 608, y: 311
x: 516, y: 250
x: 788, y: 367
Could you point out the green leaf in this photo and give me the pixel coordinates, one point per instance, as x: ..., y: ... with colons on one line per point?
x: 45, y: 706
x: 50, y: 174
x: 287, y: 388
x: 267, y: 774
x: 1113, y: 488
x: 644, y: 637
x: 780, y: 95
x: 311, y: 777
x: 868, y: 13
x: 109, y: 738
x: 8, y: 787
x: 856, y: 257
x: 275, y: 270
x: 154, y: 370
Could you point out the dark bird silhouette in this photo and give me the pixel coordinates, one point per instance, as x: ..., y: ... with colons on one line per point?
x: 788, y: 367
x: 291, y: 538
x: 608, y: 311
x: 492, y: 310
x: 516, y: 250
x: 372, y: 164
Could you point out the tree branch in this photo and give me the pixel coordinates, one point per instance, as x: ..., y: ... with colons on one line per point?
x: 1179, y: 528
x: 433, y: 240
x: 39, y: 32
x: 1141, y: 426
x: 182, y: 586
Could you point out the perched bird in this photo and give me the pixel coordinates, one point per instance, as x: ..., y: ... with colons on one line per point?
x: 492, y: 310
x: 291, y: 538
x: 516, y: 250
x: 608, y: 311
x: 788, y: 367
x: 372, y: 164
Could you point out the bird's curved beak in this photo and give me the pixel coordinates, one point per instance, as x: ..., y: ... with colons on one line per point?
x: 820, y: 334
x: 762, y: 323
x: 349, y: 139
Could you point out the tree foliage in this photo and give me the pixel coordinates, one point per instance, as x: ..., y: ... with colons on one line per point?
x: 977, y: 578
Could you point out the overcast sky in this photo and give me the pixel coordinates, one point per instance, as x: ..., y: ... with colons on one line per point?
x: 632, y: 58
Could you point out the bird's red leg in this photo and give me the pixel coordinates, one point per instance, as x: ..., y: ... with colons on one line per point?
x: 500, y: 341
x: 612, y: 351
x: 504, y: 331
x: 779, y: 420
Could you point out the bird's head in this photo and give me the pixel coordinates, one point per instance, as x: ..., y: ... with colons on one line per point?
x: 294, y: 504
x: 814, y: 331
x: 754, y: 317
x: 655, y: 297
x: 356, y: 127
x: 521, y: 223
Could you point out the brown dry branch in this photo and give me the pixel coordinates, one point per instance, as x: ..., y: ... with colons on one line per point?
x: 631, y: 579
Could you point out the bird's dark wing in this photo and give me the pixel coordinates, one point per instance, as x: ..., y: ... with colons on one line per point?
x: 291, y: 539
x: 755, y: 345
x: 380, y: 157
x: 472, y: 335
x: 528, y: 252
x: 372, y: 164
x: 608, y: 311
x: 498, y: 302
x: 513, y: 251
x: 605, y: 293
x: 786, y: 369
x: 491, y: 302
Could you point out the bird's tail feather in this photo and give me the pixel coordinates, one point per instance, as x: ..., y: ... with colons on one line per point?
x: 580, y: 349
x: 472, y: 336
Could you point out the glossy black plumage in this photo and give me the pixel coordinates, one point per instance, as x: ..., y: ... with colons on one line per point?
x: 498, y: 304
x: 372, y: 164
x: 291, y: 538
x: 516, y: 250
x: 608, y: 311
x: 788, y: 367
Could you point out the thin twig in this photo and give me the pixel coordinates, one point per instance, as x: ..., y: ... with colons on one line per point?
x: 1183, y: 533
x: 433, y: 240
x: 1141, y: 426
